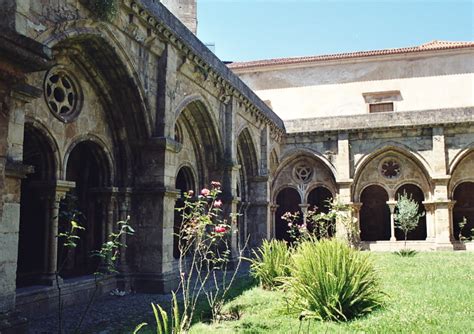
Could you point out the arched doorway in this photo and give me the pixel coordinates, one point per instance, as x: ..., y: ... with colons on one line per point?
x: 288, y: 200
x: 34, y: 207
x: 184, y: 182
x: 89, y: 168
x: 419, y: 233
x: 319, y: 197
x: 318, y: 200
x: 464, y: 207
x: 374, y: 214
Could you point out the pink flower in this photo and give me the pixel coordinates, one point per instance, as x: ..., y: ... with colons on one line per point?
x: 218, y: 203
x: 216, y: 184
x: 190, y: 193
x: 220, y: 229
x: 205, y: 192
x: 289, y: 224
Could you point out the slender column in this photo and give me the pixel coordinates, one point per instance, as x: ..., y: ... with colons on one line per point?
x: 392, y: 205
x: 304, y: 210
x: 123, y: 215
x: 273, y: 209
x: 59, y: 192
x: 356, y: 216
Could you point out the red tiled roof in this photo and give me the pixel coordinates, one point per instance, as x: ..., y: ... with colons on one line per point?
x: 430, y: 46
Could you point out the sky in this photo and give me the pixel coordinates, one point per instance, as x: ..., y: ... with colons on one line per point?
x: 245, y: 30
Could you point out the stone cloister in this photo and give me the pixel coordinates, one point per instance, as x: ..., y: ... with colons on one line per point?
x: 126, y: 114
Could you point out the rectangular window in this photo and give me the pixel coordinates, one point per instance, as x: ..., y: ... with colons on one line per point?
x: 380, y: 107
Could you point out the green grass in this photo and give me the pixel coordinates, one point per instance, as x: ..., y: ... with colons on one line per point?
x: 428, y: 293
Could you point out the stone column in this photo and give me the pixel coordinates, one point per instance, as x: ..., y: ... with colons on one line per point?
x: 443, y: 214
x: 392, y: 205
x: 430, y: 220
x: 444, y: 225
x: 124, y: 207
x: 58, y: 192
x: 273, y: 210
x: 356, y: 216
x: 304, y: 211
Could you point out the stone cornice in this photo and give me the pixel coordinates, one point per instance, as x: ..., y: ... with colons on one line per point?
x: 161, y: 22
x: 381, y: 121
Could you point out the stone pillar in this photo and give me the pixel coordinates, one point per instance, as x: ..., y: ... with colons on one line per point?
x: 356, y: 216
x: 430, y: 221
x: 273, y: 210
x: 12, y: 170
x: 124, y: 207
x: 444, y: 225
x: 304, y: 211
x: 53, y: 194
x: 443, y: 214
x: 392, y: 205
x: 259, y: 210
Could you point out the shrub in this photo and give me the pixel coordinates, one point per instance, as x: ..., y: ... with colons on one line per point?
x: 270, y: 262
x: 406, y: 252
x: 331, y: 281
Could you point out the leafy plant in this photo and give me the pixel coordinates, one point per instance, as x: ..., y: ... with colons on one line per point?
x: 103, y: 9
x: 270, y: 263
x: 407, y: 216
x: 108, y: 253
x: 406, y: 252
x: 331, y: 281
x: 462, y: 224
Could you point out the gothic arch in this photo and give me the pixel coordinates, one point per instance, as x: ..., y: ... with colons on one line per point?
x: 461, y: 169
x: 396, y: 147
x: 247, y: 158
x: 107, y: 66
x: 321, y: 174
x: 411, y: 170
x: 205, y: 137
x: 306, y: 152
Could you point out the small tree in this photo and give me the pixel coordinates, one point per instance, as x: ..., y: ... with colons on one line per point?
x: 408, y: 215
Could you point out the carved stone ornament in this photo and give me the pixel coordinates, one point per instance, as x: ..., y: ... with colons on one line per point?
x: 390, y: 168
x: 303, y: 173
x: 62, y: 94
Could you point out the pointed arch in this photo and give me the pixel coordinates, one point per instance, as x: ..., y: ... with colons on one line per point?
x: 413, y: 171
x: 111, y: 71
x: 247, y: 159
x: 196, y: 117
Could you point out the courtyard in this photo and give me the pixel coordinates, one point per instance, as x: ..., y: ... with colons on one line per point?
x: 429, y: 293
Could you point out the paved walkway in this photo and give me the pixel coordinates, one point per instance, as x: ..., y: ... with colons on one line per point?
x: 109, y: 314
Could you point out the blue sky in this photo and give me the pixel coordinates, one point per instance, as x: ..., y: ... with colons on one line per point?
x: 260, y: 29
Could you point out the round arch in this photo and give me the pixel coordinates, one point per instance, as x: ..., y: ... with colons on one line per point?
x: 40, y: 152
x: 374, y: 214
x: 101, y: 152
x: 413, y: 190
x: 287, y: 200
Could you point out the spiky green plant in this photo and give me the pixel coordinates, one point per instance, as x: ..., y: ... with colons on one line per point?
x: 406, y: 252
x: 331, y: 281
x: 270, y: 262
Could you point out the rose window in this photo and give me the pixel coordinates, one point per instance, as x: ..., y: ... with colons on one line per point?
x: 390, y: 169
x: 62, y: 95
x: 303, y: 173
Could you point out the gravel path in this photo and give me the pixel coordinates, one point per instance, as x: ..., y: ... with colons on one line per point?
x: 109, y: 314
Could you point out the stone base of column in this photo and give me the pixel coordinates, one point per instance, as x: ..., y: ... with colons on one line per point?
x: 13, y: 323
x: 49, y: 280
x: 155, y: 282
x: 444, y: 246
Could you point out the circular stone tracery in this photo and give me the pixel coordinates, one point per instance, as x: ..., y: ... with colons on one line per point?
x: 303, y: 173
x: 390, y: 168
x: 62, y: 94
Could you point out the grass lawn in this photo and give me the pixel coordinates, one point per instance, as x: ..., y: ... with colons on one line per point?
x: 432, y: 292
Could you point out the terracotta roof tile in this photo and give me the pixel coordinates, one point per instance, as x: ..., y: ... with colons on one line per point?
x: 430, y: 46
